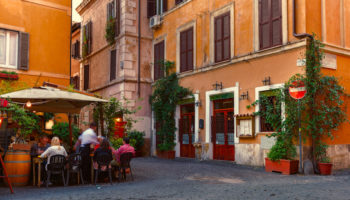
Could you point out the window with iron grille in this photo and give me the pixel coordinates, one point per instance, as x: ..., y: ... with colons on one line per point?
x: 270, y: 23
x: 158, y: 60
x: 222, y: 35
x: 186, y: 50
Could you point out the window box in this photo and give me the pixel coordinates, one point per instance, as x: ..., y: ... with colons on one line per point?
x: 8, y: 76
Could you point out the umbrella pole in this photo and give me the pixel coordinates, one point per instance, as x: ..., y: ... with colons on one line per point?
x: 70, y: 131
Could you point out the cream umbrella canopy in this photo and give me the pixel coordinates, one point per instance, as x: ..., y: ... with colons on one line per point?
x: 49, y: 99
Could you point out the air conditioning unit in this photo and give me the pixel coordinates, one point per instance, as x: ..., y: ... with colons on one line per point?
x: 154, y: 21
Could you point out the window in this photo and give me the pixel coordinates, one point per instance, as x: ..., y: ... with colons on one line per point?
x: 270, y: 23
x: 87, y: 39
x: 267, y: 99
x: 222, y: 37
x: 76, y: 50
x: 86, y: 77
x: 75, y: 82
x: 113, y: 13
x: 113, y: 65
x: 154, y: 7
x: 178, y: 1
x: 186, y: 50
x: 158, y: 60
x: 8, y: 48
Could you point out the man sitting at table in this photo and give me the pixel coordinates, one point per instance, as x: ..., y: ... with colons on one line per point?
x: 125, y: 148
x: 39, y: 148
x: 88, y: 138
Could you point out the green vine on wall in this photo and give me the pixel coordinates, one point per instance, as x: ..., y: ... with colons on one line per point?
x: 165, y: 97
x: 85, y: 48
x: 110, y: 31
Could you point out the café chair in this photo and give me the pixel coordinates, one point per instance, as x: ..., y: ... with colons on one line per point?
x: 103, y: 160
x: 56, y: 166
x: 74, y: 162
x: 125, y: 159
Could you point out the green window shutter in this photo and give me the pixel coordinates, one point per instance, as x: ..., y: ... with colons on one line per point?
x: 221, y: 96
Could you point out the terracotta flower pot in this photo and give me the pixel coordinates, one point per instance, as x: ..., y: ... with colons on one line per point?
x: 286, y: 167
x: 166, y: 154
x: 325, y: 168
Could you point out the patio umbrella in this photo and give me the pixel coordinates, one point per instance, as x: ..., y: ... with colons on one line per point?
x: 49, y: 99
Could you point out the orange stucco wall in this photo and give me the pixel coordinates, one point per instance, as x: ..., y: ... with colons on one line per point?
x: 48, y: 25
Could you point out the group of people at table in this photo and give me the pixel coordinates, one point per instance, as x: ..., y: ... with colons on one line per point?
x: 87, y: 143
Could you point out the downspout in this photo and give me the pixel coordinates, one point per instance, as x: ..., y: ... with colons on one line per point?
x: 298, y: 35
x: 70, y: 44
x: 139, y: 53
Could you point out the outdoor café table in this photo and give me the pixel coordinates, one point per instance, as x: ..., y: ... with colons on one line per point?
x: 37, y: 161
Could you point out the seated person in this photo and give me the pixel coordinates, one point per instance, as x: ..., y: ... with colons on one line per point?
x: 103, y: 149
x: 125, y: 148
x: 55, y: 149
x: 39, y: 148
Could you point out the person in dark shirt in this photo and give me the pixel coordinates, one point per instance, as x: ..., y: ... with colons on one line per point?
x: 104, y: 149
x: 39, y: 148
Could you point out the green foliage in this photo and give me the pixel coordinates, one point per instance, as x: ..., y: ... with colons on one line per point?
x: 48, y: 116
x: 166, y: 94
x: 110, y: 31
x: 61, y: 130
x: 7, y: 86
x: 113, y: 109
x: 283, y: 149
x: 84, y: 44
x: 27, y: 122
x: 138, y: 137
x: 7, y: 72
x: 117, y: 142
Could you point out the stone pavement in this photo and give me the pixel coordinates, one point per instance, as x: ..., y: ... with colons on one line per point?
x: 189, y: 179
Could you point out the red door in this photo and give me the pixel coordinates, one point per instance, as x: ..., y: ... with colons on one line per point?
x: 186, y: 131
x: 223, y: 130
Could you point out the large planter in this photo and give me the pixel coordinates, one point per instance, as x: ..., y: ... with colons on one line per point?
x: 8, y: 76
x: 325, y: 168
x: 166, y: 154
x: 17, y: 165
x: 286, y: 167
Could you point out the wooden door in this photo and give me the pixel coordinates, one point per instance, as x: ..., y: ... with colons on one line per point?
x: 223, y: 130
x: 186, y: 131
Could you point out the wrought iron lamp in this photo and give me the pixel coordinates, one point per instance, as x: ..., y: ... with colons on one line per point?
x: 267, y: 81
x: 245, y: 95
x: 217, y: 86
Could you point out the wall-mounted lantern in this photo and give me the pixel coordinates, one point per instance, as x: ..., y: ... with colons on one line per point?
x: 198, y: 103
x: 217, y: 86
x: 245, y: 95
x: 267, y: 81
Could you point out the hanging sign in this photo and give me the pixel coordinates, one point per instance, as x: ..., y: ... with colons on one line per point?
x: 297, y: 90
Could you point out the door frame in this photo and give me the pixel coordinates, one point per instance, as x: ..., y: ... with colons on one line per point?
x: 209, y: 111
x: 191, y: 117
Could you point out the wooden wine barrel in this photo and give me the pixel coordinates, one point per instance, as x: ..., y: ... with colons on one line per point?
x: 17, y: 164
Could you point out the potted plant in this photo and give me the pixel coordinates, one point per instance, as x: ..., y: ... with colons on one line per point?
x: 324, y: 163
x: 139, y: 141
x: 166, y: 94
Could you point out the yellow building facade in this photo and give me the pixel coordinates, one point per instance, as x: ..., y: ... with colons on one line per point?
x: 229, y: 52
x: 35, y: 40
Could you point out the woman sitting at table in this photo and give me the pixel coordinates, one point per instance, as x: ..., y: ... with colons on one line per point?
x: 104, y: 149
x: 55, y: 149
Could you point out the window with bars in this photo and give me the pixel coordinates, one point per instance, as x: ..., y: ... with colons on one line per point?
x: 86, y: 77
x: 222, y: 35
x: 186, y: 50
x: 270, y: 23
x: 113, y: 65
x: 158, y: 60
x: 270, y: 99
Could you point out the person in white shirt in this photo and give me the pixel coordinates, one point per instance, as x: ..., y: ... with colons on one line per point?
x: 54, y: 149
x: 88, y: 138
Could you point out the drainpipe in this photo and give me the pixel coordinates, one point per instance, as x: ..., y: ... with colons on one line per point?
x: 70, y: 44
x: 299, y: 35
x: 139, y: 53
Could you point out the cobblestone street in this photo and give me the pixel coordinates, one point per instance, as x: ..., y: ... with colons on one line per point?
x: 187, y: 179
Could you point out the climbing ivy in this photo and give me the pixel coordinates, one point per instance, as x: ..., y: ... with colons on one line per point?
x: 166, y: 94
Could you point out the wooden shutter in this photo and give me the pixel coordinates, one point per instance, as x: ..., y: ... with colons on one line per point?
x: 108, y: 11
x: 89, y: 30
x: 117, y: 18
x: 23, y: 51
x: 158, y: 59
x: 73, y: 50
x: 186, y: 50
x: 86, y: 77
x: 77, y: 49
x: 76, y: 82
x: 113, y: 64
x: 151, y: 8
x: 270, y: 23
x: 222, y: 37
x: 165, y: 5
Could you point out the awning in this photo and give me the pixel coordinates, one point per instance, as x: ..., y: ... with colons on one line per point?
x: 49, y: 99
